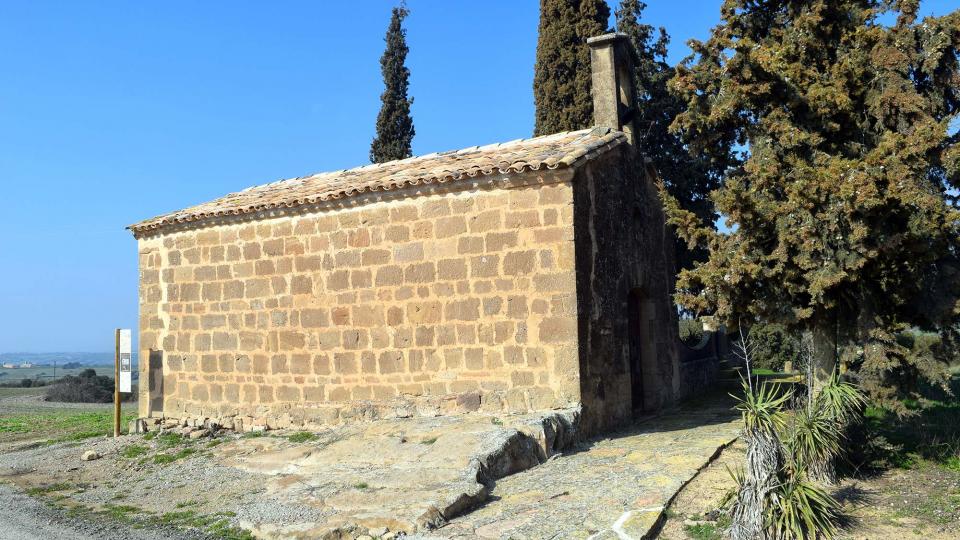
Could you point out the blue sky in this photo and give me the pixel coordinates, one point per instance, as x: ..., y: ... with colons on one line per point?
x: 112, y: 112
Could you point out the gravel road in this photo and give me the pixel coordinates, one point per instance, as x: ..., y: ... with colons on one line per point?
x: 25, y: 518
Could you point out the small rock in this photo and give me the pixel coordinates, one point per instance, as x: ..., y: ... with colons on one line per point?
x: 90, y: 455
x: 378, y: 532
x: 389, y: 536
x: 199, y: 433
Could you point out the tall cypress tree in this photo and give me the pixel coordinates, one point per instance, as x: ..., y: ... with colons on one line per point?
x: 561, y: 81
x: 843, y: 171
x: 394, y: 124
x: 689, y: 177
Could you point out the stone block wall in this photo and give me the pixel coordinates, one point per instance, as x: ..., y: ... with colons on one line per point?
x: 624, y: 254
x: 431, y: 304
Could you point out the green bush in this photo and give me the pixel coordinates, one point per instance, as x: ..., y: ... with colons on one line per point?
x: 772, y: 346
x: 87, y: 387
x: 22, y: 383
x: 302, y: 437
x: 691, y: 332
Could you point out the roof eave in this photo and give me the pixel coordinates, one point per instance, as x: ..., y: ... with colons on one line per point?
x: 609, y: 140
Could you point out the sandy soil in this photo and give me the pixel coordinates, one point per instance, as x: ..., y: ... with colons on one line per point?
x: 918, y: 503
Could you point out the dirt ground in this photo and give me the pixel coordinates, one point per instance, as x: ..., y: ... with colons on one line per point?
x: 382, y: 476
x: 23, y: 517
x: 225, y: 485
x: 922, y: 502
x: 390, y: 475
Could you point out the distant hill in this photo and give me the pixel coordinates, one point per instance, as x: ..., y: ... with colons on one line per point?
x: 82, y: 358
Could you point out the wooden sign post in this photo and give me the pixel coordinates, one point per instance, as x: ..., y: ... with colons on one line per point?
x: 122, y: 374
x: 116, y: 388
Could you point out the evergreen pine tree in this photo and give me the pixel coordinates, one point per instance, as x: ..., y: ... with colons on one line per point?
x: 561, y: 81
x: 689, y: 178
x: 842, y: 170
x: 394, y: 124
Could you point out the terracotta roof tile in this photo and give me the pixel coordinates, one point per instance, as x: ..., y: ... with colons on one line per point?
x: 548, y: 152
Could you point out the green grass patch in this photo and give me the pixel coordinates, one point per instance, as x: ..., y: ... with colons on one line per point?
x: 11, y: 392
x: 150, y: 435
x: 66, y: 426
x: 45, y: 490
x: 134, y: 451
x: 254, y: 434
x: 703, y: 531
x: 302, y: 437
x: 930, y: 434
x: 163, y: 459
x: 214, y: 442
x: 934, y: 508
x: 708, y: 530
x: 121, y: 512
x: 216, y: 525
x: 429, y: 440
x: 16, y: 424
x: 361, y: 485
x: 169, y: 440
x: 79, y: 510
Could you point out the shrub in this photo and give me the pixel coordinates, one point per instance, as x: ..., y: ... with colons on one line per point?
x: 23, y: 383
x: 302, y: 437
x: 778, y: 493
x: 87, y: 387
x: 772, y: 346
x: 691, y: 332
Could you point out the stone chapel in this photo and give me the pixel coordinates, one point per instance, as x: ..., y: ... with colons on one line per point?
x: 523, y: 276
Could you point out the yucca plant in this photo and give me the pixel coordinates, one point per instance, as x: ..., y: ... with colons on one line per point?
x: 763, y: 420
x: 777, y: 494
x: 813, y: 443
x: 840, y: 400
x: 801, y: 510
x: 821, y: 427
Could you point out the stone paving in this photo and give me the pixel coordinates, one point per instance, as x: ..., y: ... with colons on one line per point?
x: 396, y: 475
x: 613, y: 488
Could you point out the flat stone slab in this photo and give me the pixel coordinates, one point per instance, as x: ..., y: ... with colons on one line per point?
x: 404, y: 475
x: 611, y: 488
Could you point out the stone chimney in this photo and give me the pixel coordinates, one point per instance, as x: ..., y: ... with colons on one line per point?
x: 611, y: 60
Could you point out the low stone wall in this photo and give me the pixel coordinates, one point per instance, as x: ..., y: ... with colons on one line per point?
x: 697, y: 376
x: 700, y: 366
